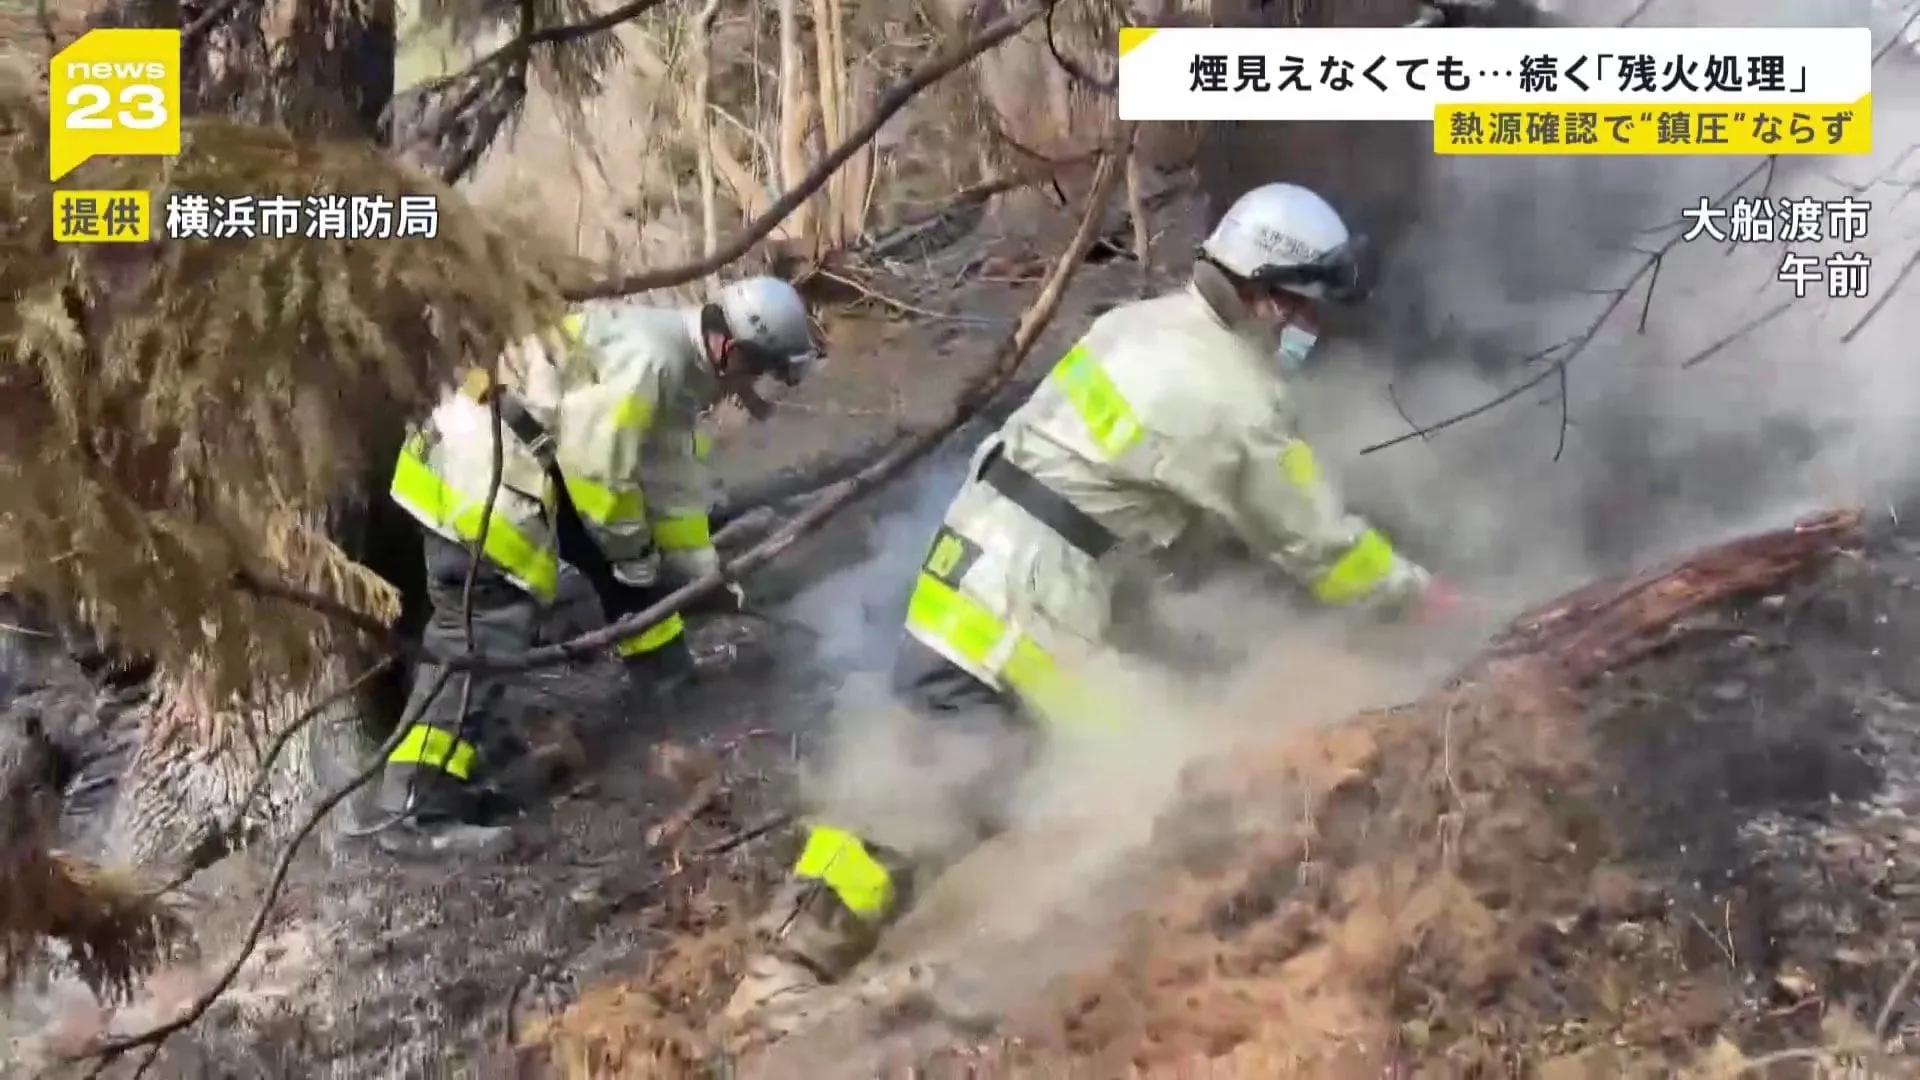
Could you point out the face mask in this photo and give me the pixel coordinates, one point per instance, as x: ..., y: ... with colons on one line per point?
x: 1296, y: 342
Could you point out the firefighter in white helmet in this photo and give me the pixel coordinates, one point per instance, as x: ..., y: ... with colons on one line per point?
x: 602, y: 469
x: 1168, y: 412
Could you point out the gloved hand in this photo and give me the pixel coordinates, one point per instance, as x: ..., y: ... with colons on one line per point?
x: 693, y: 564
x: 639, y: 573
x: 1443, y: 603
x: 729, y: 599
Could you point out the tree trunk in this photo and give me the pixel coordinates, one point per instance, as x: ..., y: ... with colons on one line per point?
x: 1375, y: 173
x: 322, y: 69
x: 1371, y: 172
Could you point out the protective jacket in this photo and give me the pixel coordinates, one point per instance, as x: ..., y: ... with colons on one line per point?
x: 608, y: 407
x: 1161, y: 416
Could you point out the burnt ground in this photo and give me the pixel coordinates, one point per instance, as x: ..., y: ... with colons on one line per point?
x: 1701, y: 868
x: 372, y: 967
x: 1716, y: 844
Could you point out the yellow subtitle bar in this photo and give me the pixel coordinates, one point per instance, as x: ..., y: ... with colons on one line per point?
x: 1654, y: 129
x: 102, y: 217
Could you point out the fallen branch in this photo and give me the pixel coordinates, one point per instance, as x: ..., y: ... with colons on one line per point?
x: 225, y: 839
x: 1000, y: 185
x: 667, y: 831
x: 889, y: 104
x: 521, y: 46
x: 324, y: 605
x: 747, y: 835
x: 1609, y: 624
x: 983, y: 389
x: 754, y: 507
x: 155, y: 1037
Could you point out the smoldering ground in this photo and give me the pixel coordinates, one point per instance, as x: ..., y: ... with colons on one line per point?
x: 1709, y: 401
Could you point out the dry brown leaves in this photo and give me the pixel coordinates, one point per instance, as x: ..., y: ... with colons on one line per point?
x: 113, y: 928
x: 1436, y: 890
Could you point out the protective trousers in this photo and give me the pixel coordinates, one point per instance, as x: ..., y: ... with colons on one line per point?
x: 462, y: 728
x: 463, y: 731
x: 659, y: 653
x: 848, y: 887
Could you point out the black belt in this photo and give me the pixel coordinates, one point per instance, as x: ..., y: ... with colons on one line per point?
x: 1047, y: 506
x: 513, y: 413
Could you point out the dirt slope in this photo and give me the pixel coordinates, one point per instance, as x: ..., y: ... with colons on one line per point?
x: 1684, y: 848
x: 373, y: 969
x: 1507, y: 877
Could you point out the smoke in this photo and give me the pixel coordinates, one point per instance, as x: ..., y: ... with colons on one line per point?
x: 1709, y: 401
x: 856, y: 611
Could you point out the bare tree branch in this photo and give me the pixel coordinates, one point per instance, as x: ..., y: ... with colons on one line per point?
x: 1742, y: 331
x: 1577, y: 344
x: 226, y: 839
x: 454, y: 118
x: 1079, y: 72
x: 521, y: 47
x: 158, y: 1034
x: 155, y: 1037
x: 1899, y: 278
x: 981, y: 390
x: 1651, y: 269
x: 831, y: 501
x: 885, y: 109
x: 324, y: 605
x: 191, y: 33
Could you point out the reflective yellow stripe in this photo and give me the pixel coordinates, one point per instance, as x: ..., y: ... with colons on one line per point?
x: 603, y: 505
x: 1301, y: 468
x: 653, y: 637
x: 1108, y: 417
x: 837, y: 859
x: 435, y: 749
x: 944, y: 614
x: 686, y: 532
x: 421, y: 491
x: 702, y: 446
x: 1361, y: 570
x: 476, y: 383
x: 634, y: 414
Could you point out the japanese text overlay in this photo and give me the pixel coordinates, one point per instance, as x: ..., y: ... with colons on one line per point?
x: 1801, y: 227
x: 1651, y: 90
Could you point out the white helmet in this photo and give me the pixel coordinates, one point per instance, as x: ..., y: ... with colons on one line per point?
x: 766, y: 315
x: 1286, y: 236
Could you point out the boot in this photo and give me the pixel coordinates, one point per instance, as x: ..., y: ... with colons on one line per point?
x: 658, y: 677
x: 807, y: 942
x: 436, y: 815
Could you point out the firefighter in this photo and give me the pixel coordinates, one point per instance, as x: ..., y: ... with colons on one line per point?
x: 1168, y: 412
x: 602, y: 468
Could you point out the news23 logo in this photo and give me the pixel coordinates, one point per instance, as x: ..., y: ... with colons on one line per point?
x: 114, y: 92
